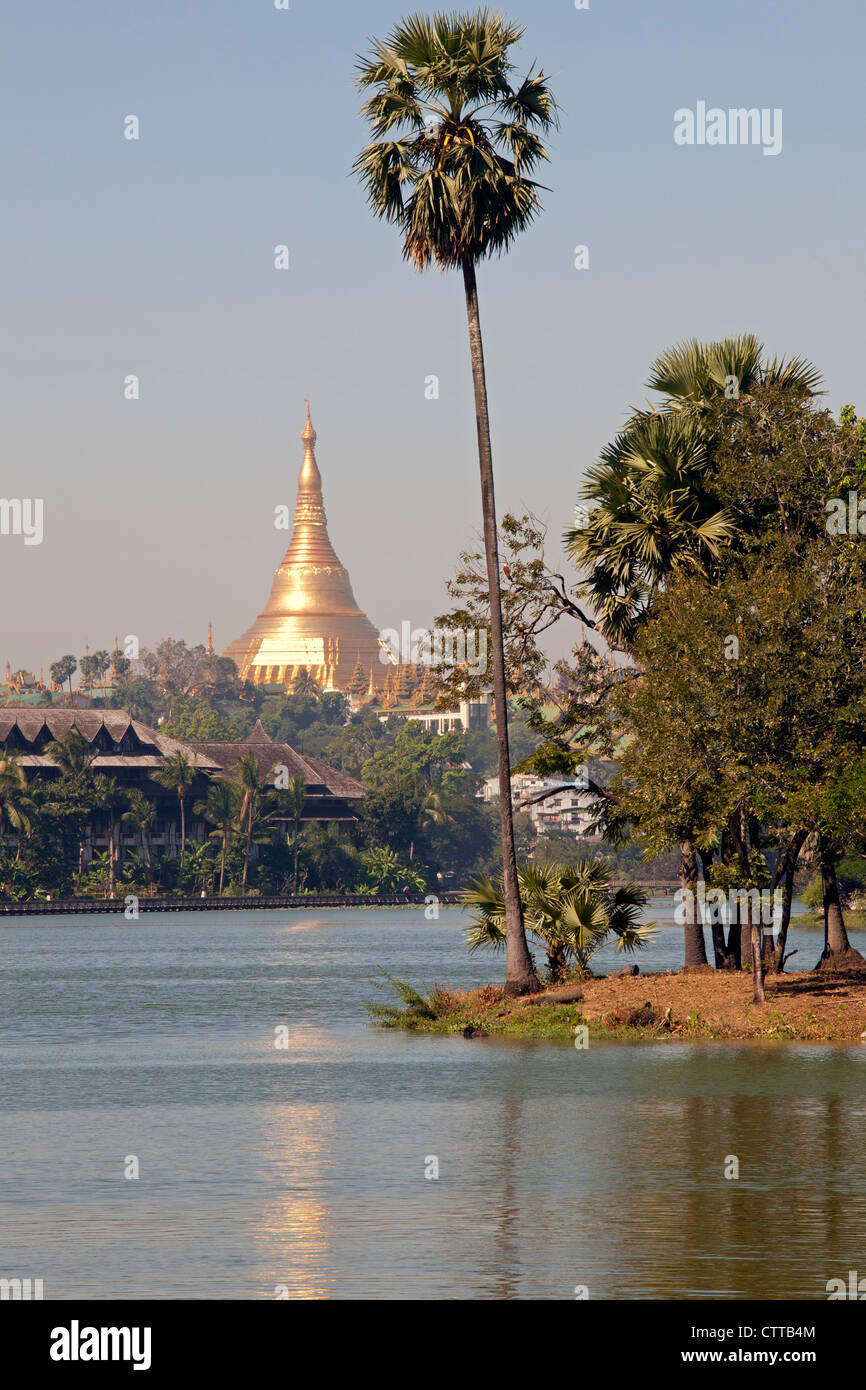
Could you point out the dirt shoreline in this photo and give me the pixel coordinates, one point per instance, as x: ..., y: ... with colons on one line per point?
x: 679, y: 1005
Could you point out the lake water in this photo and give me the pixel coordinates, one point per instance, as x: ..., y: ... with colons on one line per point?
x: 304, y: 1169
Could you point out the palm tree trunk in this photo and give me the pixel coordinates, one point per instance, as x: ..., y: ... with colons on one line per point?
x: 520, y: 976
x: 182, y: 833
x: 695, y: 946
x: 223, y: 864
x: 247, y: 856
x: 295, y: 867
x: 146, y: 839
x: 110, y: 857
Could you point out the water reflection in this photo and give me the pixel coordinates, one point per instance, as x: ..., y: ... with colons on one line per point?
x: 558, y: 1167
x: 294, y: 1229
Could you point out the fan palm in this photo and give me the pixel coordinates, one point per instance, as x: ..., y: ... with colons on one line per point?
x: 652, y: 514
x: 456, y: 136
x: 650, y: 502
x: 694, y: 374
x: 570, y: 911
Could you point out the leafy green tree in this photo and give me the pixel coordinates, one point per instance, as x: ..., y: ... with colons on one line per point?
x: 197, y: 718
x: 465, y: 844
x: 432, y: 760
x: 695, y: 375
x: 390, y: 815
x: 199, y: 867
x: 120, y: 665
x: 386, y: 872
x: 455, y: 140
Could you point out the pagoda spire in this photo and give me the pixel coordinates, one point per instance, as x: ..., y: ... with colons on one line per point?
x: 311, y: 617
x: 310, y: 543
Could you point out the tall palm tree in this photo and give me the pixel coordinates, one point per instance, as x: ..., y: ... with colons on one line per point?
x: 141, y: 815
x: 292, y: 800
x: 107, y: 796
x: 15, y: 804
x: 455, y: 137
x: 256, y: 792
x: 431, y: 812
x: 64, y: 670
x: 306, y: 684
x: 177, y: 775
x: 74, y: 755
x: 221, y: 810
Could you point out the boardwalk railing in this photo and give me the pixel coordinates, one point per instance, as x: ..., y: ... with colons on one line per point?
x: 127, y: 904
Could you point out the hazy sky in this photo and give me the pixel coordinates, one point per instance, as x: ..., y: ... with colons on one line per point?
x: 155, y: 257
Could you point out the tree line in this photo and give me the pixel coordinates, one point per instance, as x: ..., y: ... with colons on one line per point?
x: 721, y: 660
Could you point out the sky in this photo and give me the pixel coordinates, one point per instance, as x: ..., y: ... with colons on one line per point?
x: 155, y: 258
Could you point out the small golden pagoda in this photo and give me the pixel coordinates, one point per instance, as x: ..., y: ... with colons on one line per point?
x: 311, y: 619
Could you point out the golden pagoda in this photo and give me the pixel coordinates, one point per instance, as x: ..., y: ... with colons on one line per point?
x: 311, y: 619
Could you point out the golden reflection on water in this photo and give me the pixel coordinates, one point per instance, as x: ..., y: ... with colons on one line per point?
x: 288, y: 927
x: 295, y: 1230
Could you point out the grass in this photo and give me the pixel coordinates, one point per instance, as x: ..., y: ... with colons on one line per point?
x: 660, y: 1007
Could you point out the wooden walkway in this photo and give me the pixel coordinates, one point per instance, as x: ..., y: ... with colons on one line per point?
x: 120, y: 904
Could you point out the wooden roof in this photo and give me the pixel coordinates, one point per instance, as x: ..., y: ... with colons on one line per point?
x: 318, y: 776
x: 147, y: 747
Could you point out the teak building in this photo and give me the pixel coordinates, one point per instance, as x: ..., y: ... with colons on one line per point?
x: 131, y: 752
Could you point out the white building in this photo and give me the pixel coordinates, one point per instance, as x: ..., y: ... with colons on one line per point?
x: 569, y: 807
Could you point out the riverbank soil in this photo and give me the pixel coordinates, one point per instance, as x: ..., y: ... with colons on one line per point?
x: 684, y: 1005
